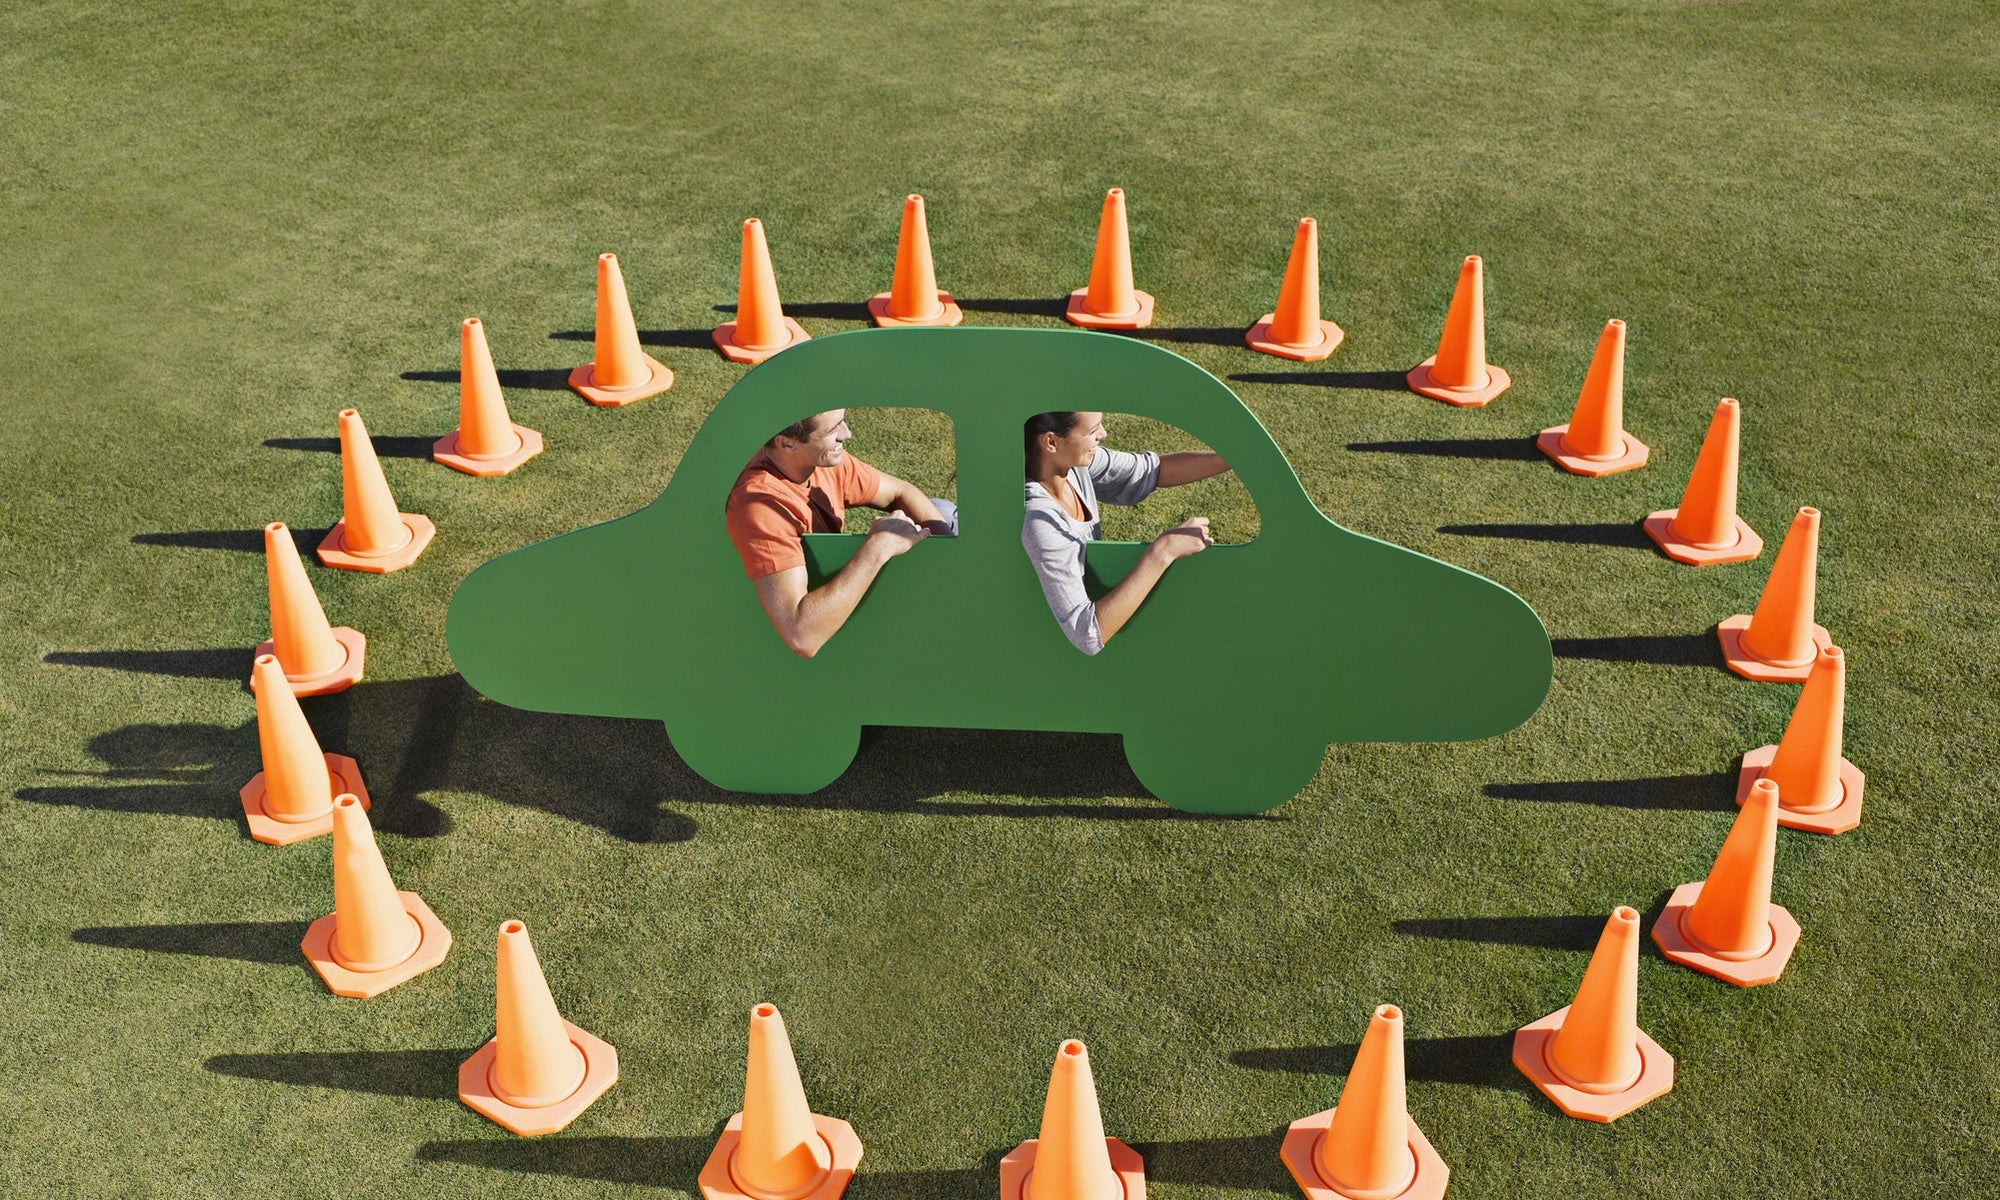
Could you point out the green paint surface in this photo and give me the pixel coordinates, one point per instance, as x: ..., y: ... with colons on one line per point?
x: 1228, y: 684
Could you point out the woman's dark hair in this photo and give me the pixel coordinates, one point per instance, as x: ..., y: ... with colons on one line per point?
x: 1058, y: 423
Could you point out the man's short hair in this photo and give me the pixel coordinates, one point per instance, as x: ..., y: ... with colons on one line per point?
x: 798, y: 431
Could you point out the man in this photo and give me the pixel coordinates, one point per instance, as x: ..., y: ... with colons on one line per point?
x: 801, y: 482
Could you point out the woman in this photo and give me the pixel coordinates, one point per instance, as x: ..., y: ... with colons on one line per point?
x: 1069, y: 474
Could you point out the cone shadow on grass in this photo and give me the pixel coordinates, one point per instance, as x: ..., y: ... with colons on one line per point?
x: 660, y: 1162
x: 1188, y: 335
x: 686, y: 339
x: 1363, y: 381
x: 1250, y: 1161
x: 1712, y: 792
x: 196, y: 770
x: 1052, y: 306
x: 186, y: 770
x: 225, y: 663
x: 421, y: 1074
x: 1667, y: 649
x: 385, y: 447
x: 1500, y: 449
x: 829, y: 310
x: 550, y: 379
x: 245, y: 941
x: 1479, y: 1061
x: 1577, y: 932
x: 1620, y: 534
x: 250, y: 541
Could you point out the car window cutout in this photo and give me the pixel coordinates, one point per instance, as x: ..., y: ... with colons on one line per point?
x: 909, y: 443
x: 1232, y: 513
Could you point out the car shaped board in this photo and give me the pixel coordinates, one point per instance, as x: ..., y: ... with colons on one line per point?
x: 1227, y: 685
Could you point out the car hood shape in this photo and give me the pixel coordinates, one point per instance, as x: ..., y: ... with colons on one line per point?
x: 1227, y: 685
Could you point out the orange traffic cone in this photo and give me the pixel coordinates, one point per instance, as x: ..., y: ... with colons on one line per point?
x: 485, y: 443
x: 538, y: 1072
x: 1595, y: 442
x: 1072, y: 1159
x: 371, y: 535
x: 1591, y: 1057
x: 1111, y: 302
x: 1705, y: 529
x: 376, y: 937
x: 1459, y: 373
x: 291, y: 799
x: 1778, y: 643
x: 761, y: 327
x: 620, y: 371
x: 1818, y: 790
x: 1367, y: 1146
x: 1294, y: 329
x: 316, y: 659
x: 913, y: 297
x: 777, y: 1148
x: 1726, y: 925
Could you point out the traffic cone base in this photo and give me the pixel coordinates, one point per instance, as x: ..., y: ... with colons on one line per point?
x: 1420, y: 382
x: 333, y: 551
x: 1671, y: 935
x: 475, y: 1086
x: 583, y: 381
x: 1660, y: 527
x: 1551, y: 443
x: 433, y: 943
x: 1745, y: 663
x: 1840, y: 818
x: 718, y: 1182
x: 528, y: 444
x: 342, y: 772
x: 1079, y: 312
x: 948, y: 313
x: 1656, y: 1073
x: 1020, y: 1163
x: 1301, y: 1147
x: 1259, y: 338
x: 342, y: 677
x: 725, y: 341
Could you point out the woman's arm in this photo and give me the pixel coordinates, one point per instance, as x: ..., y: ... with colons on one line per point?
x: 1188, y: 466
x: 1117, y: 605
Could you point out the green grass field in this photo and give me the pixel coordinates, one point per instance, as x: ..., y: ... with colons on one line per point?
x: 220, y: 224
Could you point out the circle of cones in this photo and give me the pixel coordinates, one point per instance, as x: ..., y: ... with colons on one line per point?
x: 539, y: 1072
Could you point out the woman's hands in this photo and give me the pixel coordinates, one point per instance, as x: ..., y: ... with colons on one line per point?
x: 1189, y: 537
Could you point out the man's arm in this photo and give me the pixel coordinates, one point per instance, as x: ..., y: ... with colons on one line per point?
x: 807, y: 619
x: 894, y: 494
x: 1188, y: 466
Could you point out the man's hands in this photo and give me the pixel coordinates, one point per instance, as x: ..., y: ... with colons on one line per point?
x: 807, y: 619
x: 893, y: 535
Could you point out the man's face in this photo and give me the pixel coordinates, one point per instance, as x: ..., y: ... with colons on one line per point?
x: 828, y: 444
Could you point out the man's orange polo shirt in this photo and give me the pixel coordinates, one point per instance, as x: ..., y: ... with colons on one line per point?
x: 767, y: 513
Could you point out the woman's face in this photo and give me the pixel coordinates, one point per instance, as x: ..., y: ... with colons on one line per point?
x: 1079, y: 445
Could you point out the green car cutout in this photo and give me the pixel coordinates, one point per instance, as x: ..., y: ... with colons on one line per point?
x: 1307, y: 635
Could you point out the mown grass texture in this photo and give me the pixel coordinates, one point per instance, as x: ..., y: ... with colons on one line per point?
x: 225, y: 222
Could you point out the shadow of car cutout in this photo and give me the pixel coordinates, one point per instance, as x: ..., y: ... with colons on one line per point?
x: 1228, y: 685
